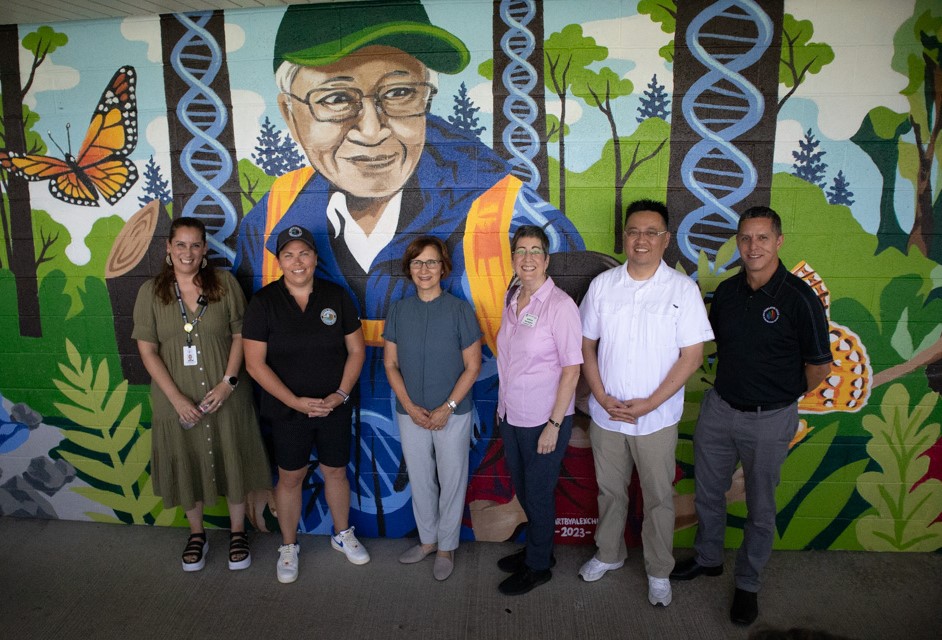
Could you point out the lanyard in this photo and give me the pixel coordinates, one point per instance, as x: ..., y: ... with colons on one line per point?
x: 187, y: 325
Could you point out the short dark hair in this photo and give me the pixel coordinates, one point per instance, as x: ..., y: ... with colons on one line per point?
x: 418, y: 245
x: 530, y: 231
x: 761, y: 212
x: 647, y: 205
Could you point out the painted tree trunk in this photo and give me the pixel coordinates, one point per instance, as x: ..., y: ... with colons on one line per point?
x: 204, y: 172
x: 22, y: 260
x: 519, y: 132
x: 723, y: 124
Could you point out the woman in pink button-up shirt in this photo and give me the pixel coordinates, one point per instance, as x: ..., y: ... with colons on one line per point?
x: 539, y: 351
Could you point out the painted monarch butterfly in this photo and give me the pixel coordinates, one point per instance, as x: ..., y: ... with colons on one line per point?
x: 101, y: 165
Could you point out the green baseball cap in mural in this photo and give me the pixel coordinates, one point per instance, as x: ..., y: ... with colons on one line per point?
x: 315, y: 35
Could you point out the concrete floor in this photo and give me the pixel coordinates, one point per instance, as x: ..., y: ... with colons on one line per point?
x: 63, y: 580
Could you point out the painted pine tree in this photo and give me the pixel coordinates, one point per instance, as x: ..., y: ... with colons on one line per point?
x: 654, y: 102
x: 840, y: 192
x: 275, y: 153
x: 809, y: 164
x: 465, y: 119
x: 155, y: 186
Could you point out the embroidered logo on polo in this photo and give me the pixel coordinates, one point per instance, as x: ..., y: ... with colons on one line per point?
x: 328, y: 316
x: 771, y: 315
x: 295, y: 232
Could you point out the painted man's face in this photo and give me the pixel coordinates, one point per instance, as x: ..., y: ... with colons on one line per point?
x: 369, y: 155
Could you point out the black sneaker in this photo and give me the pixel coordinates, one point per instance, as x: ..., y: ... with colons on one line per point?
x: 524, y: 581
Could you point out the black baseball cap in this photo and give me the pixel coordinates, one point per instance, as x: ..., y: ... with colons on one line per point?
x: 294, y: 232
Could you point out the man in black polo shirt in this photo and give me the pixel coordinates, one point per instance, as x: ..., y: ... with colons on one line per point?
x: 772, y: 347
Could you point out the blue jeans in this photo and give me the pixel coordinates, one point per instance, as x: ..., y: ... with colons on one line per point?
x: 534, y: 476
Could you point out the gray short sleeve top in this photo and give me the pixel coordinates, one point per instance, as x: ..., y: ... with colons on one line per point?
x: 429, y: 338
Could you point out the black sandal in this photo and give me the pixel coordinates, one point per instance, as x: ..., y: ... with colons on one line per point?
x: 194, y: 555
x: 239, y: 555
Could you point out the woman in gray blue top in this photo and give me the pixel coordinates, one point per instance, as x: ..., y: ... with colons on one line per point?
x: 432, y: 357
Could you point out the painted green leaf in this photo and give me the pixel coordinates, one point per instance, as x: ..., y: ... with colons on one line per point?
x: 904, y: 513
x: 803, y: 460
x: 88, y: 465
x: 94, y: 516
x: 821, y: 507
x: 929, y: 339
x: 75, y: 360
x: 118, y: 502
x: 70, y: 392
x: 78, y: 415
x: 101, y: 380
x: 901, y: 341
x: 84, y: 440
x: 725, y: 253
x: 77, y: 377
x: 116, y: 400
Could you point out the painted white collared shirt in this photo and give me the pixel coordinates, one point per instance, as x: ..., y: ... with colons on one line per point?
x: 363, y: 247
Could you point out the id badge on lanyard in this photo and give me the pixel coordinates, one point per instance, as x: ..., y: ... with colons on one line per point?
x: 190, y: 357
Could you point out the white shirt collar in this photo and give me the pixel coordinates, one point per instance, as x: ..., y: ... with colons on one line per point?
x: 363, y: 247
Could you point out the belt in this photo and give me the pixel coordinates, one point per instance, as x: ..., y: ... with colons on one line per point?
x: 756, y: 408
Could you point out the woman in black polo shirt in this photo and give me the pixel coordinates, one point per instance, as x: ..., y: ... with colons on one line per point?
x: 304, y: 346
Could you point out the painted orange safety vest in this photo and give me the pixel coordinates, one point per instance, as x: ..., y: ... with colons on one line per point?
x: 486, y: 247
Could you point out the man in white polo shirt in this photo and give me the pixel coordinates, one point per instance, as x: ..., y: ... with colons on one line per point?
x: 643, y: 329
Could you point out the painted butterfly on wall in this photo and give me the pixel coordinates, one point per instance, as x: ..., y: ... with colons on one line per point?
x: 101, y: 166
x: 847, y: 386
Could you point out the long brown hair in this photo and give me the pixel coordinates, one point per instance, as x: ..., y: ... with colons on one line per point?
x: 206, y: 278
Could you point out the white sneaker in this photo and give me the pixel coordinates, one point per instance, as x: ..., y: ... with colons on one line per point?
x: 594, y: 569
x: 659, y: 591
x: 346, y: 542
x: 287, y: 567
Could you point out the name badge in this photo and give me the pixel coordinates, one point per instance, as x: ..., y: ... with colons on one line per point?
x: 529, y: 320
x: 189, y: 356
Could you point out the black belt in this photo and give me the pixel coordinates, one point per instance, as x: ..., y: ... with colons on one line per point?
x: 756, y: 408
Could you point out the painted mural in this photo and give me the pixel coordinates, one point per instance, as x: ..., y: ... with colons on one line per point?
x: 557, y: 114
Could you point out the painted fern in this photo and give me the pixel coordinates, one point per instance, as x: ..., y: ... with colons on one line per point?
x: 107, y: 445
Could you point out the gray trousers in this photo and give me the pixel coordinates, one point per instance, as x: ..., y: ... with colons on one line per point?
x: 723, y: 437
x: 616, y: 455
x: 437, y: 462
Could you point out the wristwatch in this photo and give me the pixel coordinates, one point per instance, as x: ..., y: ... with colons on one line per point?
x: 451, y: 404
x: 554, y: 423
x: 232, y: 381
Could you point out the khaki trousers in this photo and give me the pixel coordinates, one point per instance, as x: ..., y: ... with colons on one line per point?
x: 616, y: 455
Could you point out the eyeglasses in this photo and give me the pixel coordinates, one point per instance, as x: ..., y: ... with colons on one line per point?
x: 416, y: 265
x: 535, y: 251
x: 344, y: 103
x: 650, y: 234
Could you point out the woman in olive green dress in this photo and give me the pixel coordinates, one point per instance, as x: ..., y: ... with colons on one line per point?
x: 206, y: 441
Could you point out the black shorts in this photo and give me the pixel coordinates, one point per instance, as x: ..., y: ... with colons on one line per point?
x: 329, y: 437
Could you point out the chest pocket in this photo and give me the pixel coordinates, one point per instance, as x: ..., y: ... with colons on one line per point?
x: 659, y: 324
